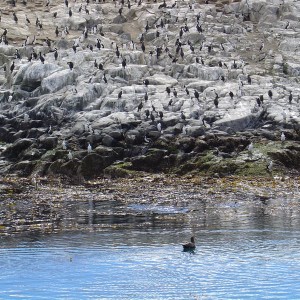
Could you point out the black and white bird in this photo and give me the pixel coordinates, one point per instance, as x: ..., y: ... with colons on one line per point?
x: 71, y: 65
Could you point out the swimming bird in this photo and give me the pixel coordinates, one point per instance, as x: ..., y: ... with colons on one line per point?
x: 190, y: 245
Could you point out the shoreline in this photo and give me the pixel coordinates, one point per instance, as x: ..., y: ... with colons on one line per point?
x: 56, y: 206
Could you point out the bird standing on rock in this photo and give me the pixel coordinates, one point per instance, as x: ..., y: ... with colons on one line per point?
x: 216, y: 100
x: 64, y: 145
x: 168, y: 90
x: 196, y: 94
x: 89, y: 148
x: 70, y: 155
x: 250, y: 148
x: 71, y: 65
x: 270, y: 94
x: 290, y: 97
x: 42, y: 58
x: 124, y: 63
x: 282, y: 137
x: 270, y: 166
x: 55, y: 54
x: 15, y: 17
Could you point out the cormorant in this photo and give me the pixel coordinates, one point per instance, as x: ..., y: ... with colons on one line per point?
x: 124, y: 63
x: 12, y: 66
x: 189, y: 246
x: 249, y: 79
x: 270, y: 94
x: 216, y: 100
x: 55, y: 54
x: 71, y: 65
x: 146, y: 82
x: 120, y: 94
x: 140, y: 106
x: 290, y: 97
x: 15, y: 17
x: 42, y: 58
x: 168, y: 90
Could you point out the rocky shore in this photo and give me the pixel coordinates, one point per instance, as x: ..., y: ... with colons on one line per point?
x: 108, y: 89
x: 162, y: 201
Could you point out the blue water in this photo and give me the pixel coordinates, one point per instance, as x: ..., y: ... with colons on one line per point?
x: 228, y: 263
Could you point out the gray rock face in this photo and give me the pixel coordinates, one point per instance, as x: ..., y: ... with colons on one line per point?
x: 31, y: 75
x: 144, y: 83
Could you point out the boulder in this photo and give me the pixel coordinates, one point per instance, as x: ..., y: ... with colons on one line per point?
x: 15, y: 150
x: 93, y: 165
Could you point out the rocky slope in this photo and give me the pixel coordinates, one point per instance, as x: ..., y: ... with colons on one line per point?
x: 102, y: 106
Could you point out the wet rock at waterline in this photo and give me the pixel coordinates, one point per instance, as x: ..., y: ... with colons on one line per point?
x: 112, y: 90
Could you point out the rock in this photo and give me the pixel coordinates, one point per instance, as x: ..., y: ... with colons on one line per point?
x: 23, y: 168
x: 149, y: 162
x: 48, y: 142
x: 93, y: 165
x: 108, y: 141
x: 57, y: 81
x: 31, y: 75
x: 15, y: 150
x: 119, y: 109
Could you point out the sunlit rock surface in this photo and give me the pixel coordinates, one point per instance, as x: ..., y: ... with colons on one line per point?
x: 231, y: 68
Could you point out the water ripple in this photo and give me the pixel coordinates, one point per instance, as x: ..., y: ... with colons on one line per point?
x: 227, y: 264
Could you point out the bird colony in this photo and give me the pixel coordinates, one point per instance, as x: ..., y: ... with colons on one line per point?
x: 87, y: 83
